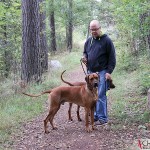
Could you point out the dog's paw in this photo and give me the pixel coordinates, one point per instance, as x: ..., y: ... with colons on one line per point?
x: 88, y: 129
x: 70, y: 119
x: 54, y: 128
x: 79, y: 119
x: 46, y: 132
x: 93, y: 128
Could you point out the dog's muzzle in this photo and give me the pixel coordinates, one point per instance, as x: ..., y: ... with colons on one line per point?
x: 95, y: 84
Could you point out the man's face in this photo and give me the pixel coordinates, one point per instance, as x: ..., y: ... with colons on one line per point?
x: 95, y: 30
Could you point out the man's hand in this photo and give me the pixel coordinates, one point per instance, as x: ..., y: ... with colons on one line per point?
x: 84, y: 60
x: 108, y: 76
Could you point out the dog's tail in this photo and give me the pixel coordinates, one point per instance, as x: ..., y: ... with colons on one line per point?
x: 64, y: 80
x: 32, y: 95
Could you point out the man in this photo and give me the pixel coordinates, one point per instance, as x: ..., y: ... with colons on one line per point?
x: 99, y: 55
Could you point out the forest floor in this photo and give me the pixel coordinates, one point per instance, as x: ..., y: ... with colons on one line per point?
x: 72, y: 135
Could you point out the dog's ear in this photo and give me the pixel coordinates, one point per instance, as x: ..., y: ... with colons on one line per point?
x: 87, y: 78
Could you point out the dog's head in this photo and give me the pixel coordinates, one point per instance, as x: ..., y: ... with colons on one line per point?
x: 92, y: 80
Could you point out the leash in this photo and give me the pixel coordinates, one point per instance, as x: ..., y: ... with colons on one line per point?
x: 82, y: 66
x: 90, y: 46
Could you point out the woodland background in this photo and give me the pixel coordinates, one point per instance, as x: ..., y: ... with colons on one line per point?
x: 30, y: 30
x: 33, y: 32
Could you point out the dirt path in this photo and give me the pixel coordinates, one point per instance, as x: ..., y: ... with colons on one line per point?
x: 72, y: 135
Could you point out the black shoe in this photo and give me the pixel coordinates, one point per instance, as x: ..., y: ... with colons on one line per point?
x: 95, y: 119
x: 99, y: 122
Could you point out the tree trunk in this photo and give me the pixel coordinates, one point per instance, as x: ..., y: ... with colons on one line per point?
x: 88, y: 32
x: 148, y: 44
x: 69, y: 28
x: 148, y: 99
x: 31, y: 68
x: 143, y: 38
x: 43, y: 41
x: 52, y: 27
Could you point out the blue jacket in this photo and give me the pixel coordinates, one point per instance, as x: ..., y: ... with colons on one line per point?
x: 100, y: 54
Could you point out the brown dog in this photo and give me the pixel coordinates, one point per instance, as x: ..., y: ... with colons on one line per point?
x: 79, y: 84
x: 70, y: 104
x: 84, y: 96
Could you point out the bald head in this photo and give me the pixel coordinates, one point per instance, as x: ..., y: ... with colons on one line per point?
x: 95, y: 23
x: 95, y: 28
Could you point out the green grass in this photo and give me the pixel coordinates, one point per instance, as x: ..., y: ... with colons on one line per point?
x: 16, y: 110
x: 129, y: 104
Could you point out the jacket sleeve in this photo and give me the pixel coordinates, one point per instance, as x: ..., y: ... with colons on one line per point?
x: 86, y: 46
x: 84, y: 51
x: 111, y: 56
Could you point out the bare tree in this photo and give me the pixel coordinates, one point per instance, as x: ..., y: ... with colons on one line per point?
x: 145, y: 38
x: 52, y: 27
x: 69, y: 27
x: 43, y: 41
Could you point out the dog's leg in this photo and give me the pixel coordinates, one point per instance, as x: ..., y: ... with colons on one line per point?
x: 87, y: 120
x: 92, y: 117
x: 53, y: 110
x: 50, y: 118
x: 45, y: 123
x: 69, y: 112
x: 78, y: 113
